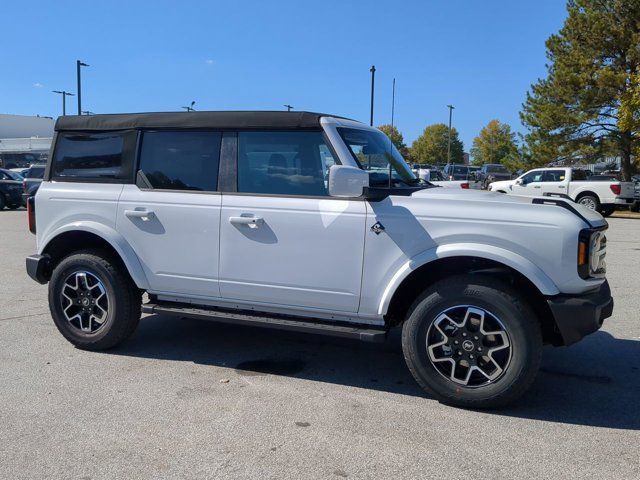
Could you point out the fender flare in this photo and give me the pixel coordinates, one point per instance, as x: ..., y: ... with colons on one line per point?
x: 113, y: 238
x: 489, y: 252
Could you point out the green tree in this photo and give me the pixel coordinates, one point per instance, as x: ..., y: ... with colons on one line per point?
x: 589, y: 100
x: 495, y: 143
x: 431, y: 146
x: 396, y: 138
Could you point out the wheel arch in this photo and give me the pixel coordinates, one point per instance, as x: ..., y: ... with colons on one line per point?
x: 584, y: 193
x: 81, y: 236
x: 410, y: 281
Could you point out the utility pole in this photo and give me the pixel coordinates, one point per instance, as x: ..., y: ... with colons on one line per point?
x: 289, y: 107
x: 373, y: 79
x: 393, y: 100
x: 64, y: 94
x: 450, y: 107
x: 79, y: 64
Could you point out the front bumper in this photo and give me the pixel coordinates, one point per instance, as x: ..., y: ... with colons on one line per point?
x: 38, y: 268
x: 579, y: 315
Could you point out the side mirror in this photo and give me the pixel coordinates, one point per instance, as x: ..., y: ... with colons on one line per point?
x: 346, y: 181
x: 519, y: 182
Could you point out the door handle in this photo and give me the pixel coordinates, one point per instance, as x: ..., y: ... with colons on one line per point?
x: 145, y: 214
x: 536, y: 186
x: 250, y: 220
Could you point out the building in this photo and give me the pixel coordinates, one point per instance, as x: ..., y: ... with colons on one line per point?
x: 24, y: 139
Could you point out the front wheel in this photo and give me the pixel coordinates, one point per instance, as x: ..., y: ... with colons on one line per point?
x: 471, y: 341
x: 93, y: 301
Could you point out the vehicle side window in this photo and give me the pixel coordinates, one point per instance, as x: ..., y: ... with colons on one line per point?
x: 180, y: 160
x: 4, y: 176
x: 92, y: 156
x: 578, y: 174
x: 283, y: 163
x: 533, y: 177
x: 553, y: 176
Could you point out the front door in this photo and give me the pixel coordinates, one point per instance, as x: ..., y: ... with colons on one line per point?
x: 171, y: 217
x: 530, y: 184
x: 283, y: 240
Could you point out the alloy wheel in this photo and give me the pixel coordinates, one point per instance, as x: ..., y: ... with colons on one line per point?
x: 85, y: 302
x: 468, y: 345
x: 588, y: 202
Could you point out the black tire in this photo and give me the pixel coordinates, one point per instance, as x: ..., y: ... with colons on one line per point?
x: 124, y: 300
x: 3, y: 202
x: 497, y: 298
x: 635, y: 207
x: 607, y: 211
x: 590, y: 201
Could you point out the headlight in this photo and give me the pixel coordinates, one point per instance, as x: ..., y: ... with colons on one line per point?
x: 592, y: 250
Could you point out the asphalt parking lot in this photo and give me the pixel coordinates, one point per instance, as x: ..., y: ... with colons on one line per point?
x: 192, y: 399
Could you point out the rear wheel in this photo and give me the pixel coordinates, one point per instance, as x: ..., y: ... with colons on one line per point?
x: 93, y: 301
x: 590, y: 201
x: 472, y: 342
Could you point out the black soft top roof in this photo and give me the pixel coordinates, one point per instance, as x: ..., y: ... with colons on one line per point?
x: 227, y: 119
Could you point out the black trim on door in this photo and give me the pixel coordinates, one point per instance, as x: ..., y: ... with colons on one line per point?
x: 228, y: 165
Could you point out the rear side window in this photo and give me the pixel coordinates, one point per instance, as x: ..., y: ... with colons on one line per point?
x: 103, y: 156
x: 553, y: 176
x: 283, y: 163
x: 180, y: 160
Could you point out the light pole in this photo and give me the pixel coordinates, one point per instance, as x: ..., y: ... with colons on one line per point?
x: 289, y: 107
x: 450, y: 107
x: 79, y: 64
x: 393, y: 100
x: 373, y: 79
x: 64, y: 99
x: 190, y: 107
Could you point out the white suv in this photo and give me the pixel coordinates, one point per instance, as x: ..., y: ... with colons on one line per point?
x: 315, y: 223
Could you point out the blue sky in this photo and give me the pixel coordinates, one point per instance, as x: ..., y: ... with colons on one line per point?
x: 481, y: 56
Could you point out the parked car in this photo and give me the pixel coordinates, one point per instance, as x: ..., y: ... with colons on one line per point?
x: 20, y: 171
x: 437, y: 178
x: 10, y: 189
x: 602, y: 196
x: 635, y: 206
x: 454, y: 171
x: 20, y: 160
x: 492, y: 172
x: 32, y: 179
x: 308, y: 222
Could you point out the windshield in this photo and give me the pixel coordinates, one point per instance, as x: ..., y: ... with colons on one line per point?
x: 496, y: 169
x: 375, y: 152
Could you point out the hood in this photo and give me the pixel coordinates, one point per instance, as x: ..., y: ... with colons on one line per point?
x: 487, y: 203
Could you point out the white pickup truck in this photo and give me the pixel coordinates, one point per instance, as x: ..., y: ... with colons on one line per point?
x: 602, y: 196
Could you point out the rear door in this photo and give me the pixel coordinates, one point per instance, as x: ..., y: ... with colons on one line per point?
x: 284, y: 241
x: 171, y: 216
x: 554, y: 181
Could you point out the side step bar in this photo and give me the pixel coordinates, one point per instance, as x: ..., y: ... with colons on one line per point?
x: 364, y: 333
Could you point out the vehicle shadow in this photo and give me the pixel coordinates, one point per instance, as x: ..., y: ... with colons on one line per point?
x: 595, y: 382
